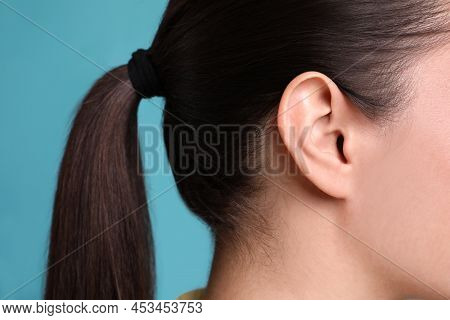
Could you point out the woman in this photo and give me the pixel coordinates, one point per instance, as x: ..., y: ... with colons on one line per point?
x: 319, y: 153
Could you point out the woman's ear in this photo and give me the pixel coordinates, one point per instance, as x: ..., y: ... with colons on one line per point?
x: 317, y: 124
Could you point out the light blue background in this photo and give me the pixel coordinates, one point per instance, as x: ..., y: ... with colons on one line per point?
x: 42, y: 80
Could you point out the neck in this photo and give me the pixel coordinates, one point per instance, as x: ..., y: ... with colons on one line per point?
x: 312, y: 259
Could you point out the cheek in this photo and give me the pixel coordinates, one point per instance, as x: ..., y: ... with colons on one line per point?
x: 401, y: 205
x: 402, y: 208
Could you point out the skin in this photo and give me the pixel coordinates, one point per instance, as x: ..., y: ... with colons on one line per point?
x: 371, y: 222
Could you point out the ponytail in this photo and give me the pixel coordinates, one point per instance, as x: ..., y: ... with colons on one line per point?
x: 101, y: 243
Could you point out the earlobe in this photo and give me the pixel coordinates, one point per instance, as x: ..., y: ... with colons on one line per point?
x: 312, y: 120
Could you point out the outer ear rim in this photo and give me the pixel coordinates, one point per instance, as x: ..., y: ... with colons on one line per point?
x: 303, y: 77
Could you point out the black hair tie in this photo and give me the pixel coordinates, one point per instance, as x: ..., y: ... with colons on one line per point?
x: 142, y: 74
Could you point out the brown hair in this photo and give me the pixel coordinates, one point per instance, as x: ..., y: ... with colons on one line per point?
x: 101, y: 237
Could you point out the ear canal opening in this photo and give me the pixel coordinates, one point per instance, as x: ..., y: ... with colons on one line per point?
x: 340, y: 148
